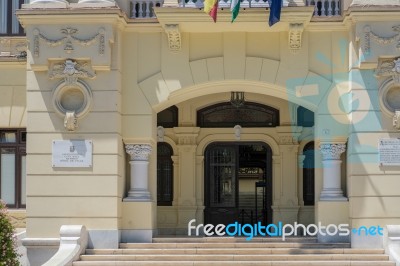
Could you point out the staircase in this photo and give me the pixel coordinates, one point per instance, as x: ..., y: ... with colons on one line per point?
x: 220, y: 251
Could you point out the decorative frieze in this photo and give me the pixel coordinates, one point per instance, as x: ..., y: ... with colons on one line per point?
x: 174, y: 36
x: 295, y: 34
x: 332, y: 151
x: 369, y: 35
x: 68, y: 40
x: 138, y: 152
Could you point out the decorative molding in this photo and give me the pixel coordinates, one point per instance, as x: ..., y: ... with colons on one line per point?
x: 295, y: 34
x: 396, y: 120
x: 160, y: 133
x: 288, y: 139
x: 70, y: 121
x: 71, y: 71
x: 174, y: 37
x: 68, y: 40
x: 389, y: 94
x: 332, y: 151
x: 138, y: 152
x: 78, y: 91
x: 238, y: 131
x: 14, y: 46
x: 370, y: 35
x: 300, y: 160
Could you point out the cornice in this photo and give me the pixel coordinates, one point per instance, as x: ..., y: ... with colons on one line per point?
x: 376, y: 15
x: 87, y: 16
x: 250, y: 20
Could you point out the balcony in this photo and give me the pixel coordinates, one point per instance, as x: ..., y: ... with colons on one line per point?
x: 324, y: 9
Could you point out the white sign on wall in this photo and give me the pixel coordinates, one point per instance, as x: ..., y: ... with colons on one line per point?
x: 389, y: 152
x: 72, y: 153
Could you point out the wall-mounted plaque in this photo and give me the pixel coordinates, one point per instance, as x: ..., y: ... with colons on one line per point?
x: 72, y: 153
x: 389, y: 151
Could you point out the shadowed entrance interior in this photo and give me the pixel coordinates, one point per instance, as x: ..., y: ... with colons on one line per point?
x: 238, y: 183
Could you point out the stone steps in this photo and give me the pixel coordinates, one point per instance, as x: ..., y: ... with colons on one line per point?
x: 211, y: 251
x: 233, y: 251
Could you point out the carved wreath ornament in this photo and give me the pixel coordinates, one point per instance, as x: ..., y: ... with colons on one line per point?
x: 68, y: 40
x: 72, y: 98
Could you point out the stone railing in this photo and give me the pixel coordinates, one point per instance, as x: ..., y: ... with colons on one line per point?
x: 323, y: 8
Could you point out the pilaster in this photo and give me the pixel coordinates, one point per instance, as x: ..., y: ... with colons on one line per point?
x: 186, y: 193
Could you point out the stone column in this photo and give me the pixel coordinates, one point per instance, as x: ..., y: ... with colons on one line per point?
x: 139, y: 162
x: 331, y: 186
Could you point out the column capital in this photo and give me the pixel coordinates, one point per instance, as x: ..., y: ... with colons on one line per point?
x: 138, y: 152
x: 332, y: 151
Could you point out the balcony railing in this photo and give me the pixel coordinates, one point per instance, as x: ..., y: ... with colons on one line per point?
x: 323, y: 8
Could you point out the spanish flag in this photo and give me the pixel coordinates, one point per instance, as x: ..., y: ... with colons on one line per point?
x: 211, y: 7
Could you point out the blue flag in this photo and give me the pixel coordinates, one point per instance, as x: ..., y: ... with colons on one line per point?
x: 274, y: 11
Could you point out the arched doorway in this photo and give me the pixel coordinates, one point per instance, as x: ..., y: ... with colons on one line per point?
x: 238, y: 183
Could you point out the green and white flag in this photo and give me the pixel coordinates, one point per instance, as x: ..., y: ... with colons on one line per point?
x: 235, y: 6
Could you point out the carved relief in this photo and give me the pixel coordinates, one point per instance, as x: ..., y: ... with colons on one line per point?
x: 295, y: 34
x: 332, y: 151
x: 71, y: 70
x: 370, y: 35
x: 12, y: 46
x: 72, y: 98
x: 138, y: 152
x: 68, y: 40
x: 70, y: 121
x: 174, y: 36
x: 396, y: 120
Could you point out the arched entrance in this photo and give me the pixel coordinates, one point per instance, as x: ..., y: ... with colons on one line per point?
x: 238, y: 183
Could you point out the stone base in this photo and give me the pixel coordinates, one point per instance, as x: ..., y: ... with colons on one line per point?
x: 295, y: 2
x: 332, y: 195
x: 285, y: 214
x: 138, y: 195
x: 137, y: 236
x: 138, y: 221
x: 107, y: 239
x: 333, y: 212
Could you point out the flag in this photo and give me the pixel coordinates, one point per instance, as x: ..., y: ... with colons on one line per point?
x: 274, y: 11
x: 235, y: 6
x: 211, y: 7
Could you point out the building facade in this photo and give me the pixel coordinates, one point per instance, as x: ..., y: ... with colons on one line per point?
x: 135, y: 117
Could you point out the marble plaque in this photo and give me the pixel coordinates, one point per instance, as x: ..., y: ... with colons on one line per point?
x: 389, y: 151
x: 72, y: 153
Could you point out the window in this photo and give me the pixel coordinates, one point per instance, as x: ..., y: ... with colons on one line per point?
x: 12, y: 167
x: 9, y: 24
x: 168, y: 118
x: 305, y: 117
x: 227, y: 115
x: 308, y: 174
x: 165, y: 174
